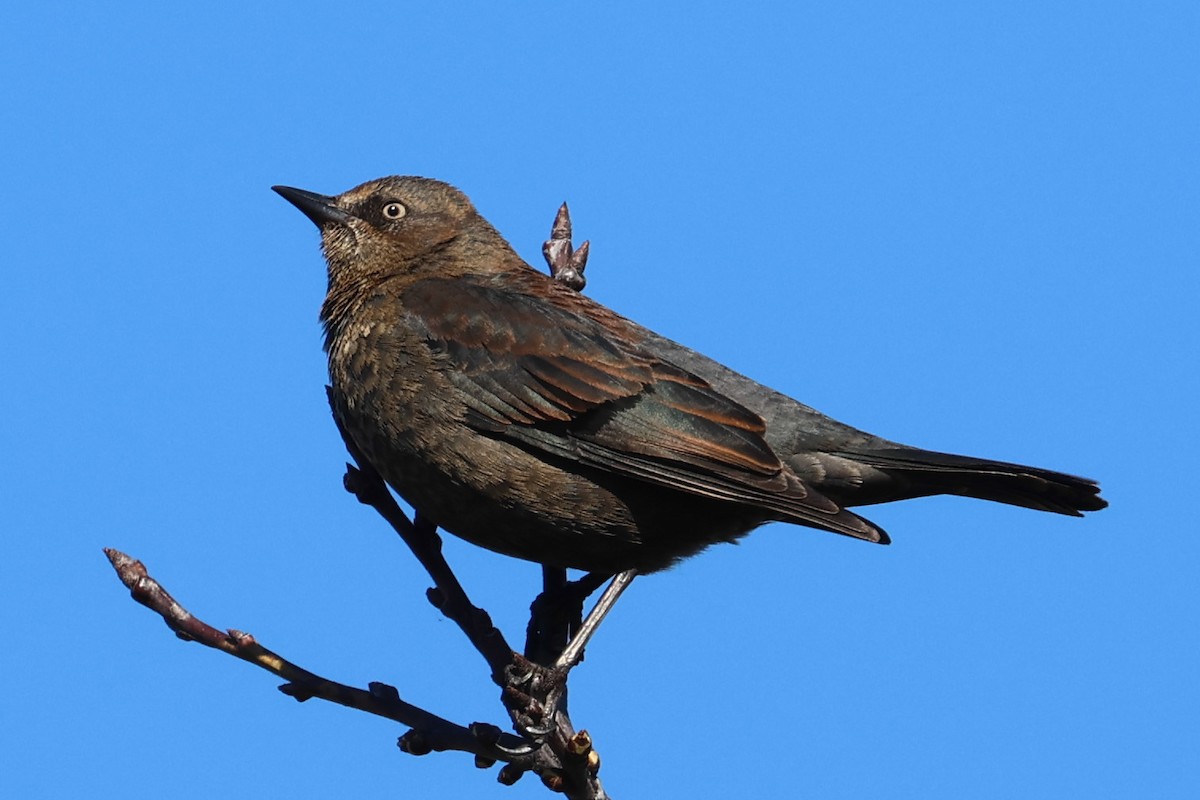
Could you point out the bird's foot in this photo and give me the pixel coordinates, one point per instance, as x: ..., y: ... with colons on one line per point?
x: 533, y: 695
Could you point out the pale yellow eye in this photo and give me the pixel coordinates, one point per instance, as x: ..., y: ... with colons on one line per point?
x: 394, y: 210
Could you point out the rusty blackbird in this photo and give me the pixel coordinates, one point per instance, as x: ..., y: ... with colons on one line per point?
x: 529, y: 419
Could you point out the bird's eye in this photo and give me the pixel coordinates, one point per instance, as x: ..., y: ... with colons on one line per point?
x: 394, y: 210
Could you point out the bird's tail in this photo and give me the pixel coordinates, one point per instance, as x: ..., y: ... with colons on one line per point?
x: 915, y: 473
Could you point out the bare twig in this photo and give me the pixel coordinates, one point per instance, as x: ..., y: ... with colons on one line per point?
x: 380, y: 699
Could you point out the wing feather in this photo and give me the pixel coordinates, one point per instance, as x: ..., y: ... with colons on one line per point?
x: 581, y: 387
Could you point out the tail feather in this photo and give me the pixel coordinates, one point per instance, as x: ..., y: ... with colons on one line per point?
x: 924, y: 472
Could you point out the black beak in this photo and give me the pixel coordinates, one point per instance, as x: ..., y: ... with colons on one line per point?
x: 321, y: 209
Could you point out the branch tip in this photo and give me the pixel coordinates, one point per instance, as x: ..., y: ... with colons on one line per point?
x: 561, y: 229
x: 580, y: 743
x: 565, y: 262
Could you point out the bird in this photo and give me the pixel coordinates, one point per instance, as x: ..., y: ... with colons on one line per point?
x: 524, y: 417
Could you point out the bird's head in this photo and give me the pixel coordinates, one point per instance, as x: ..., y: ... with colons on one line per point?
x: 388, y: 226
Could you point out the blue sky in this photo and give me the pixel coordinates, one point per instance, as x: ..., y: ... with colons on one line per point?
x: 971, y: 229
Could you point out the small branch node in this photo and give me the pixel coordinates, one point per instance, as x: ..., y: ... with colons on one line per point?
x: 241, y: 640
x: 383, y: 691
x: 553, y: 780
x: 510, y: 774
x: 297, y: 692
x: 485, y: 732
x: 414, y: 743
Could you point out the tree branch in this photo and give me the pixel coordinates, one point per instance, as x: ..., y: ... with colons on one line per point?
x: 380, y: 699
x: 533, y: 687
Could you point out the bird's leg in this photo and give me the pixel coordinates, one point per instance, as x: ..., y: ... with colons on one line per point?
x: 573, y: 653
x: 530, y: 681
x: 535, y: 692
x: 546, y: 634
x: 557, y: 613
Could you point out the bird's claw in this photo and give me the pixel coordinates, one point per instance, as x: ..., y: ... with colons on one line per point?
x: 532, y: 694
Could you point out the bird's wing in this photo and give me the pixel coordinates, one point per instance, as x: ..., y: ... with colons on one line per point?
x: 569, y: 385
x: 519, y: 361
